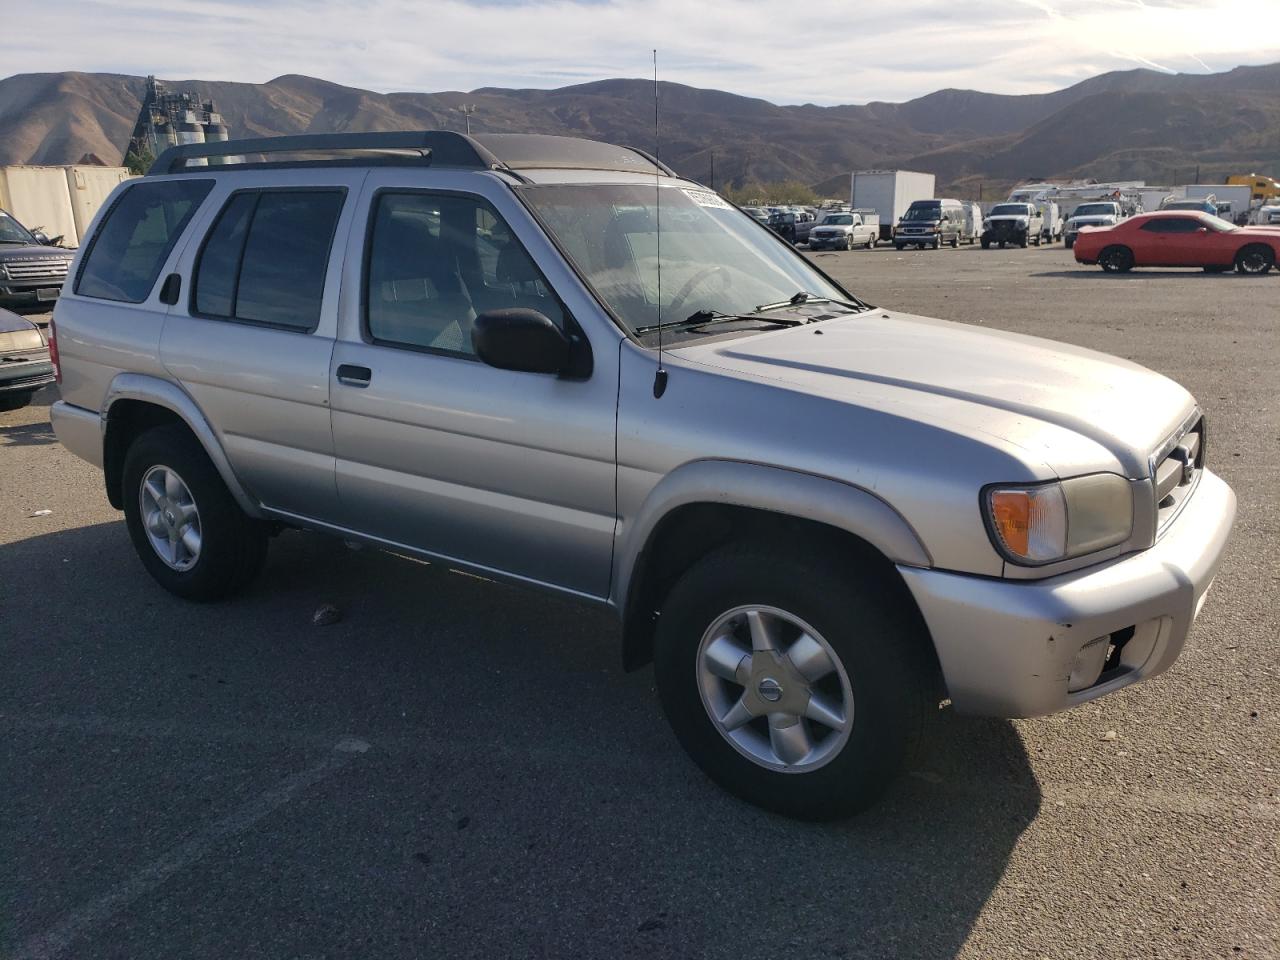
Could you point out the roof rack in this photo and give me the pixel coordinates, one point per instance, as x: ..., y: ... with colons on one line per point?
x: 435, y: 147
x: 442, y: 148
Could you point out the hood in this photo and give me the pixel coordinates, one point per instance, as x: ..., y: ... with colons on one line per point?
x: 10, y: 322
x: 979, y: 381
x: 833, y: 227
x: 1097, y: 220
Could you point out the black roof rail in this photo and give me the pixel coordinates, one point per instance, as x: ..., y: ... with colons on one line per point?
x: 435, y: 147
x: 507, y: 152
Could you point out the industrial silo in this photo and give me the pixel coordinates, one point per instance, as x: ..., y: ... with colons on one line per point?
x: 215, y: 131
x: 190, y: 130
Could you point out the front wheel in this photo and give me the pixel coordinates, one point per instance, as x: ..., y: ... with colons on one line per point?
x: 187, y: 529
x: 794, y: 681
x: 1116, y: 259
x: 955, y: 242
x: 1255, y: 260
x: 899, y: 246
x: 1069, y: 243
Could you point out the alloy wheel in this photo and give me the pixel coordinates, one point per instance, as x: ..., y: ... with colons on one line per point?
x: 774, y: 689
x: 170, y: 518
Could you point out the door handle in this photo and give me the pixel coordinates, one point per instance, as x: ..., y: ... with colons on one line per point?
x: 354, y: 376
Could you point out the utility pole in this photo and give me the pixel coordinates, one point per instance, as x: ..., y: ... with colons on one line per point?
x: 468, y: 109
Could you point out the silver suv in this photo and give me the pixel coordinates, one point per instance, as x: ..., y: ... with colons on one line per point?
x: 818, y: 518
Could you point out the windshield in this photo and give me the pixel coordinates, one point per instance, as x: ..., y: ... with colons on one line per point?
x: 1009, y: 209
x: 1218, y: 224
x: 1094, y: 210
x: 11, y: 231
x: 930, y: 212
x: 839, y: 220
x: 713, y: 258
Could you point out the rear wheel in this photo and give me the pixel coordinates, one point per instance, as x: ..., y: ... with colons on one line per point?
x: 1255, y: 260
x: 792, y: 680
x: 1116, y: 259
x: 15, y: 401
x: 1069, y: 243
x: 188, y: 530
x: 986, y: 244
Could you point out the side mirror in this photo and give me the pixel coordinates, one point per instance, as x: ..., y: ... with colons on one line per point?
x: 1202, y: 229
x: 41, y: 237
x: 520, y: 339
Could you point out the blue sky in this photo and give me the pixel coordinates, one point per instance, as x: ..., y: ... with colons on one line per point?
x: 820, y: 51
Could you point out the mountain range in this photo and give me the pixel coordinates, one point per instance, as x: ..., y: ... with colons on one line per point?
x: 1133, y: 124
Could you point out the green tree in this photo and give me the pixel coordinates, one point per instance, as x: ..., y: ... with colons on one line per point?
x: 138, y: 160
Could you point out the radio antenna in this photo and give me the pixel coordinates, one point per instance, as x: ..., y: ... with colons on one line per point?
x: 660, y: 378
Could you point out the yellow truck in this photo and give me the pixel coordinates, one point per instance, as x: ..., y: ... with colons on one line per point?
x: 1263, y: 188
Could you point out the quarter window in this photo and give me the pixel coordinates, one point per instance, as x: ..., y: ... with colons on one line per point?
x: 135, y: 238
x: 436, y: 262
x: 266, y: 258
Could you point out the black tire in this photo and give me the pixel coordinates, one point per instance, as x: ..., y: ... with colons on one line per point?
x: 1116, y: 259
x: 937, y: 243
x: 848, y: 242
x: 871, y: 242
x: 986, y: 244
x: 899, y: 246
x: 1068, y: 243
x: 955, y: 242
x: 1002, y: 244
x: 1037, y: 239
x: 233, y: 546
x: 15, y: 401
x: 878, y: 638
x: 1022, y: 241
x: 1255, y: 260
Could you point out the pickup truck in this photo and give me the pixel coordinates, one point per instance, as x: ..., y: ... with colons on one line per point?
x: 1019, y: 223
x: 844, y: 231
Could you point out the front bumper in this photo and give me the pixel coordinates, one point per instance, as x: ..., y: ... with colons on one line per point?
x: 30, y: 294
x: 1011, y: 648
x: 25, y: 375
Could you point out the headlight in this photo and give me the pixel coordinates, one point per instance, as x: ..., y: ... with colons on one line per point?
x: 1047, y: 522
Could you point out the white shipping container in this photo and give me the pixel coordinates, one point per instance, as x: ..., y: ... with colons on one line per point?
x: 38, y: 198
x: 89, y: 187
x: 889, y: 193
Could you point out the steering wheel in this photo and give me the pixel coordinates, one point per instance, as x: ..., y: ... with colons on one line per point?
x: 693, y: 282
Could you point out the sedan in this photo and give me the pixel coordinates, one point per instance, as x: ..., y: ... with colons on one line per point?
x: 25, y: 366
x: 1181, y: 239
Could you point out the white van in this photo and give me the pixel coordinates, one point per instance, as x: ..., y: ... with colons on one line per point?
x: 972, y: 222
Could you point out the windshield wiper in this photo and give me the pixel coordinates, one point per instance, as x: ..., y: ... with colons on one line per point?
x: 804, y: 297
x: 702, y: 318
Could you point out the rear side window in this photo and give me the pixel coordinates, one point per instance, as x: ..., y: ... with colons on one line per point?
x: 135, y: 238
x: 1171, y: 225
x: 266, y: 258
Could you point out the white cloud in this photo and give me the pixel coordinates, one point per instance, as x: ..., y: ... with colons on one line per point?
x: 823, y: 51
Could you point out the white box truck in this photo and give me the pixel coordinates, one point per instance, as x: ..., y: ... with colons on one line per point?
x: 1239, y: 196
x: 888, y: 193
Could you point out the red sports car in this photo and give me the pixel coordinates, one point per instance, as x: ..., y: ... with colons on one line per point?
x: 1179, y: 239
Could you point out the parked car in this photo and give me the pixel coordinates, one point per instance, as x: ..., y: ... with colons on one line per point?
x: 24, y: 361
x: 31, y: 267
x: 1208, y: 205
x: 1179, y: 239
x: 454, y: 354
x: 930, y: 223
x: 972, y: 232
x: 758, y: 214
x: 844, y: 231
x: 1102, y: 214
x: 1268, y: 215
x: 1016, y: 223
x: 783, y: 223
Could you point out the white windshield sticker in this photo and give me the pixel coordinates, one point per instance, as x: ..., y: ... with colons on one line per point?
x: 705, y: 198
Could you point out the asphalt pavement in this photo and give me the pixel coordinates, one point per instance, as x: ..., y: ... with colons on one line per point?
x: 461, y: 769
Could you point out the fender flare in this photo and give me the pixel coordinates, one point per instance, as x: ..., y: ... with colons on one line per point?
x: 792, y: 493
x: 164, y: 393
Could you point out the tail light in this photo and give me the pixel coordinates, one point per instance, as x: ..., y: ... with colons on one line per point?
x: 53, y: 351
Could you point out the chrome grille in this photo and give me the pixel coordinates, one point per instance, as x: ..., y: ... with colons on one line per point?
x: 53, y: 269
x: 1175, y: 469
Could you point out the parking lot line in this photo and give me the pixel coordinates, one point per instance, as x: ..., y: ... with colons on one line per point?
x: 55, y: 941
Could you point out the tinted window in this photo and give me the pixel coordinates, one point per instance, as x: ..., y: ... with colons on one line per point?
x: 285, y: 258
x: 215, y: 282
x: 436, y: 263
x: 266, y: 258
x: 128, y: 252
x: 1172, y: 225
